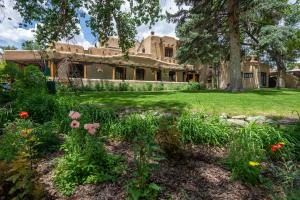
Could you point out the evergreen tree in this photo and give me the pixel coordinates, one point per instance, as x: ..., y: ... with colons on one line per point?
x: 209, y: 30
x: 270, y: 27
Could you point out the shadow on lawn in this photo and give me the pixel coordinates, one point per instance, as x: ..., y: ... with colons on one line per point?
x: 256, y: 91
x: 135, y: 100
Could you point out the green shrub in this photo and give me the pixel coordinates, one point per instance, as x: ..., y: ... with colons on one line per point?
x: 194, y: 86
x: 6, y: 116
x: 109, y: 86
x: 145, y: 160
x: 48, y: 138
x: 253, y: 143
x: 99, y: 86
x: 85, y: 161
x: 199, y: 129
x: 123, y: 86
x: 169, y: 138
x: 159, y: 87
x: 149, y: 86
x: 134, y: 124
x: 40, y: 106
x: 12, y: 139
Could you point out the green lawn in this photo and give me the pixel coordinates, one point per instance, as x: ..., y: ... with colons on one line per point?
x: 269, y: 102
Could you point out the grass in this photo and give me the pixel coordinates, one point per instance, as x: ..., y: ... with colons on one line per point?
x: 269, y: 102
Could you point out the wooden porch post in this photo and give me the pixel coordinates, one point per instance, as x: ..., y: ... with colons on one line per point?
x: 176, y: 79
x: 155, y: 75
x: 194, y: 77
x: 52, y: 68
x: 134, y: 73
x: 113, y: 73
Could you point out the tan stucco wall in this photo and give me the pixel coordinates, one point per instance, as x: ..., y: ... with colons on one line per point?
x: 68, y: 48
x: 98, y: 71
x: 247, y: 67
x: 292, y: 81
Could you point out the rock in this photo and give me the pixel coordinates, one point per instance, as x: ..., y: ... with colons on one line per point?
x: 237, y: 122
x: 223, y: 116
x: 288, y: 121
x: 271, y: 121
x: 239, y: 117
x: 257, y: 119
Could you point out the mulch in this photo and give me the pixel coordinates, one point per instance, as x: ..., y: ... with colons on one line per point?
x: 195, y: 175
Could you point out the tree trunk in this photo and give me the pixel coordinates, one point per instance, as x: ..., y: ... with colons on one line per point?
x: 281, y: 72
x: 235, y: 50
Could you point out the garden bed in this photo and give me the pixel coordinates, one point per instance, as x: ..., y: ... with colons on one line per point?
x: 197, y: 174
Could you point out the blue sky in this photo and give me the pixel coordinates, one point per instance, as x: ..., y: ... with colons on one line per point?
x: 12, y: 34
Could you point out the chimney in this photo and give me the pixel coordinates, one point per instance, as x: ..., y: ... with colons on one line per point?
x: 152, y: 32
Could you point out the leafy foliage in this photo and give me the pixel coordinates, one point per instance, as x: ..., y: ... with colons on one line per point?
x: 59, y: 19
x: 169, y: 138
x: 253, y: 143
x: 197, y: 128
x: 135, y: 124
x: 85, y: 161
x: 145, y: 156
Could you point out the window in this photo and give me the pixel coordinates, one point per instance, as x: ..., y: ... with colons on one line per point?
x: 143, y: 50
x: 168, y: 52
x: 172, y: 76
x: 140, y: 74
x: 248, y: 75
x: 76, y: 71
x: 120, y: 73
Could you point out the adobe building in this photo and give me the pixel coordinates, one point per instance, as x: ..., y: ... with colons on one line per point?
x: 151, y: 60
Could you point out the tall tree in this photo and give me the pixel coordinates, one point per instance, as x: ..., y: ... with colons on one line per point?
x: 31, y: 45
x: 214, y: 24
x: 59, y: 19
x: 270, y: 27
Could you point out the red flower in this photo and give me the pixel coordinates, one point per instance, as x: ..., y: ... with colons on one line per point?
x: 279, y: 146
x: 273, y: 148
x: 23, y: 115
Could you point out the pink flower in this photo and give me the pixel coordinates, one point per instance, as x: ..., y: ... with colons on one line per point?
x: 75, y: 124
x: 92, y: 131
x: 74, y: 115
x: 91, y: 128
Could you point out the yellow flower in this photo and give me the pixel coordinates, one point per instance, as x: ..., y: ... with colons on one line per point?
x: 26, y: 132
x: 281, y: 143
x: 253, y: 164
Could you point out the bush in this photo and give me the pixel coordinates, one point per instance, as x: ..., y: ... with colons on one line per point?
x: 48, y: 138
x: 194, y: 86
x: 200, y: 129
x: 123, y: 86
x: 253, y: 144
x: 168, y: 138
x: 145, y: 160
x: 85, y: 161
x: 12, y: 139
x: 6, y: 115
x: 134, y: 124
x: 40, y: 106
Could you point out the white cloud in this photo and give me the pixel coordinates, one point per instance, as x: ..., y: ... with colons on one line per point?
x: 161, y: 28
x: 80, y: 40
x: 10, y: 32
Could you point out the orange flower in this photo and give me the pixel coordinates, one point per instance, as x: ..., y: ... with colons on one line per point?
x: 23, y: 115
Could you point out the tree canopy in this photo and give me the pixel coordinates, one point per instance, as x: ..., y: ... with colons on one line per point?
x: 60, y: 19
x: 215, y: 30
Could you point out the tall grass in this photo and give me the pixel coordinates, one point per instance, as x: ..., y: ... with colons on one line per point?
x: 198, y: 128
x: 253, y: 143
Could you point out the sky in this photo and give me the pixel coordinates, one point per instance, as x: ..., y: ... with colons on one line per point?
x: 12, y: 34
